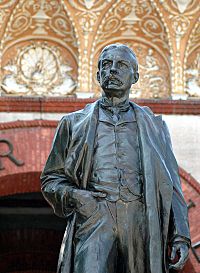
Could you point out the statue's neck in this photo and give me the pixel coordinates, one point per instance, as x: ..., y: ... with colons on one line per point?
x: 114, y: 101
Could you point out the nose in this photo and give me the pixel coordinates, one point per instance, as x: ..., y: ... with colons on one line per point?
x: 113, y: 68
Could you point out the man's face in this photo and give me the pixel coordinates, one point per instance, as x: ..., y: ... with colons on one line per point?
x: 117, y: 72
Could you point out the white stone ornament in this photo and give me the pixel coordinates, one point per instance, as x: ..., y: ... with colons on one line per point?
x: 89, y: 3
x: 38, y: 71
x: 193, y: 79
x: 182, y: 5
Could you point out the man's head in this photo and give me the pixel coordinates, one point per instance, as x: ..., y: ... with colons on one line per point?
x: 118, y: 70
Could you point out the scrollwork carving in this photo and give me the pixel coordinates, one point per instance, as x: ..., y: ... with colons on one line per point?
x: 118, y: 19
x: 6, y: 3
x: 61, y: 24
x: 21, y: 23
x: 152, y: 27
x: 113, y: 21
x: 40, y: 18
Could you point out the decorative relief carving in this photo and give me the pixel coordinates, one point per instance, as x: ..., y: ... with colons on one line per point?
x: 113, y: 21
x: 5, y: 11
x: 40, y: 18
x: 154, y: 74
x: 38, y: 69
x: 193, y: 76
x: 88, y: 12
x: 2, y: 16
x: 194, y: 40
x: 6, y: 3
x: 175, y: 7
x: 182, y: 4
x: 87, y: 22
x: 191, y: 63
x: 90, y: 5
x: 123, y: 20
x: 181, y: 14
x: 180, y: 24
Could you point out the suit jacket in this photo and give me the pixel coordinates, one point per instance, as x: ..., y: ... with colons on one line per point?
x: 69, y: 165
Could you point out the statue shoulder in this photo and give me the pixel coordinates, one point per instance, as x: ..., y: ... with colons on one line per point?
x: 143, y: 109
x: 79, y: 114
x: 145, y: 113
x: 148, y: 110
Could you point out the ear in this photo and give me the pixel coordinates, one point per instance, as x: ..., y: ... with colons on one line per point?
x: 98, y: 77
x: 135, y: 77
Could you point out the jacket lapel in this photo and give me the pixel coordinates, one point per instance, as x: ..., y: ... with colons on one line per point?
x: 78, y: 160
x: 89, y: 143
x: 157, y: 184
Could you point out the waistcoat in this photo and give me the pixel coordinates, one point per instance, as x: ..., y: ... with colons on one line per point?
x: 116, y: 161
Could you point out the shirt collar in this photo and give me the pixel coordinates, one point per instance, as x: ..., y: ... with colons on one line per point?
x: 119, y: 105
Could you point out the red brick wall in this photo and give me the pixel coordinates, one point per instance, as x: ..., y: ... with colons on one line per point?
x: 191, y: 193
x: 66, y: 105
x: 32, y: 146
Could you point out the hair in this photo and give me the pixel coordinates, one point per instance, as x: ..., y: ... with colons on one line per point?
x: 118, y: 46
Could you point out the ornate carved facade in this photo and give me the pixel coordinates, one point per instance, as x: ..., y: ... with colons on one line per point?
x: 50, y: 48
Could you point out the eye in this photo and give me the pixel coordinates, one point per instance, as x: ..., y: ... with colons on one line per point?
x: 123, y: 65
x: 106, y: 63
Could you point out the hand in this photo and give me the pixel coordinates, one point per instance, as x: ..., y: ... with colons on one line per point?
x: 81, y: 197
x: 182, y: 249
x: 84, y: 201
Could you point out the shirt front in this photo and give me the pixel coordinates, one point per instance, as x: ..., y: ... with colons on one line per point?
x: 116, y: 162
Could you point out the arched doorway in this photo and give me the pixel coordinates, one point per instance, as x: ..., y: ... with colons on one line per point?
x: 30, y: 234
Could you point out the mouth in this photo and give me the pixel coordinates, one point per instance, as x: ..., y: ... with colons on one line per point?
x: 111, y: 80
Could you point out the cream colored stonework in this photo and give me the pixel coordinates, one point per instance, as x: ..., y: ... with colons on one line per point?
x: 72, y: 33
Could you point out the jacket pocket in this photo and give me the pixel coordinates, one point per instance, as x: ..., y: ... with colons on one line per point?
x: 83, y: 223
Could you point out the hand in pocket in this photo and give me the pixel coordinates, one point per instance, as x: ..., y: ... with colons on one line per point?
x: 85, y: 201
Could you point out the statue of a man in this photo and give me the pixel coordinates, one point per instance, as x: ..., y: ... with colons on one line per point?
x: 112, y: 174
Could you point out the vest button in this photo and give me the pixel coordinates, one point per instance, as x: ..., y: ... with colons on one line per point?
x: 114, y: 229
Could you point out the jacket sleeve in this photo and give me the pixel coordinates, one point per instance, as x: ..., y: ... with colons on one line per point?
x: 55, y: 186
x: 179, y: 226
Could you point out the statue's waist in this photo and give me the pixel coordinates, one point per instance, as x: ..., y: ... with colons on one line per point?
x: 118, y: 189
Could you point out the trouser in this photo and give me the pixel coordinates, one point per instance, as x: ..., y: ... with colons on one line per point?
x: 112, y: 239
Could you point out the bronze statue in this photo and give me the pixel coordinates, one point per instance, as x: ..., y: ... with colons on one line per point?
x: 112, y: 174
